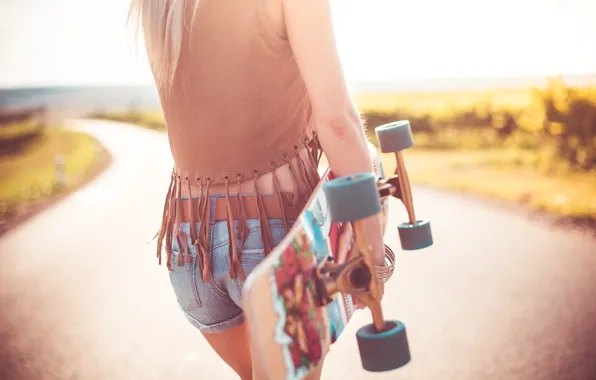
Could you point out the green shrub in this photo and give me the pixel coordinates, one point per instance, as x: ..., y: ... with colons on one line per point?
x: 559, y: 122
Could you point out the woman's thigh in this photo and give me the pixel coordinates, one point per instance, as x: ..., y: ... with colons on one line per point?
x: 215, y: 307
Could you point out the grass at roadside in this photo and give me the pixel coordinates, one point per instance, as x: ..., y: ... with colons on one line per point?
x: 28, y: 176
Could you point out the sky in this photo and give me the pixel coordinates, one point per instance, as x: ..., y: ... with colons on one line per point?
x: 83, y: 42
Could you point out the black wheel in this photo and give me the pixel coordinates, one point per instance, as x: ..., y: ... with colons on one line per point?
x: 415, y: 236
x: 383, y: 351
x: 395, y: 137
x: 352, y: 197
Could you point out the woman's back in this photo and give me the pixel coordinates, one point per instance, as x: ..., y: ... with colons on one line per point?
x: 238, y: 101
x: 239, y: 122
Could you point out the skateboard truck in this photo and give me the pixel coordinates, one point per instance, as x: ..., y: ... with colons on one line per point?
x: 398, y: 186
x: 355, y: 277
x: 395, y: 138
x: 383, y: 345
x: 389, y: 187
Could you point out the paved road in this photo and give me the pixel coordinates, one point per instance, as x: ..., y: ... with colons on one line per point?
x: 81, y: 297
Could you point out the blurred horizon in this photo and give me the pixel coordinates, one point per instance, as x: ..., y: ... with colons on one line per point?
x: 138, y: 97
x: 382, y: 43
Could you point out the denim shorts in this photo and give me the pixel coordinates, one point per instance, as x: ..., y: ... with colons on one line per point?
x: 216, y: 306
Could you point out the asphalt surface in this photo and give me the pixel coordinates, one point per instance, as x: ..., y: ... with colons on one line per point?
x: 499, y: 295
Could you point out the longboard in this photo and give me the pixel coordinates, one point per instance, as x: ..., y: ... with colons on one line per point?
x: 289, y: 333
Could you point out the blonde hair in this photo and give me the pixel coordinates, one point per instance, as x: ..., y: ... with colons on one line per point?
x: 162, y: 24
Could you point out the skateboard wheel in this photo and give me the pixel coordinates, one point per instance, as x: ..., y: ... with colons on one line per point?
x: 395, y: 137
x: 383, y: 351
x: 415, y: 236
x: 352, y: 197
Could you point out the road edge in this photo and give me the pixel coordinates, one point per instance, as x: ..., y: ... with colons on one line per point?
x: 101, y: 163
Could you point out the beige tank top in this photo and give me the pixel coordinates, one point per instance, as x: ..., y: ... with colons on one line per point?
x: 238, y: 109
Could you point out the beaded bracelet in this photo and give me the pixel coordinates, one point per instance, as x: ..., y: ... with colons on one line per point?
x: 385, y: 272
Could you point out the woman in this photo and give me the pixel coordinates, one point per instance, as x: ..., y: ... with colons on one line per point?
x: 250, y: 90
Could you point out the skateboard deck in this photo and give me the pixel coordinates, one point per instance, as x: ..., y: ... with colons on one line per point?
x: 290, y: 334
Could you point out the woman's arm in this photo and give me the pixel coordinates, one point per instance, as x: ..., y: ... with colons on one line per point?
x: 340, y: 130
x: 339, y: 127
